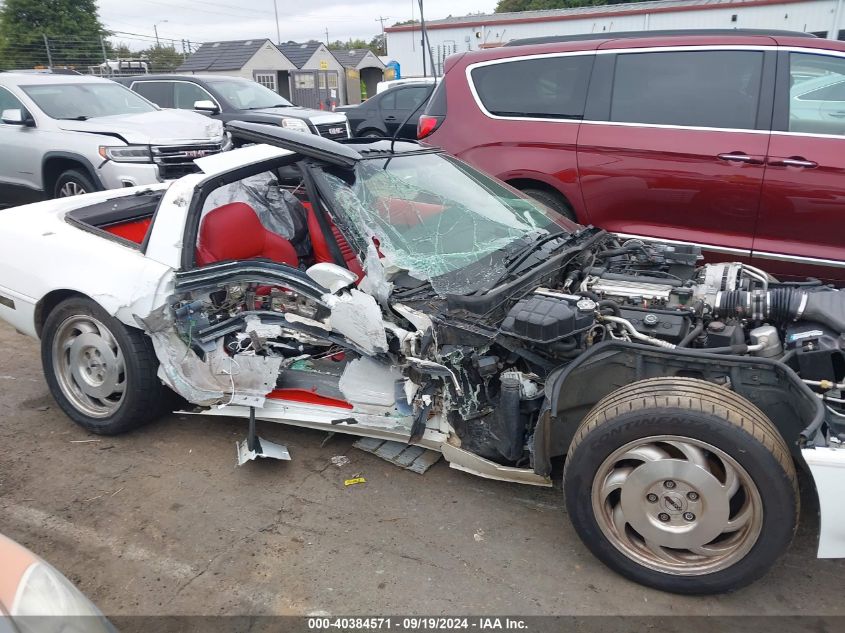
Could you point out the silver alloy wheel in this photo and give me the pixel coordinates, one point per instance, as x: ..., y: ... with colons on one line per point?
x: 677, y: 505
x: 71, y: 188
x: 89, y: 366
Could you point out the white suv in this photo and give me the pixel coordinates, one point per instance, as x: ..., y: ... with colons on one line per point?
x: 64, y: 135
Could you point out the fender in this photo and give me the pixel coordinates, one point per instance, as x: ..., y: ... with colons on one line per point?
x: 84, y: 162
x: 573, y: 390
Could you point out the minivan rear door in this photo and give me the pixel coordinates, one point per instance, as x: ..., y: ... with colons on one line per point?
x: 801, y: 229
x: 674, y: 141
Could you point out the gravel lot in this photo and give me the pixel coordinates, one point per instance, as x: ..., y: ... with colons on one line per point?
x: 161, y: 521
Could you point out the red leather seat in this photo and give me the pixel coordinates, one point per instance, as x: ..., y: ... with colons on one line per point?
x: 320, y: 244
x: 234, y: 231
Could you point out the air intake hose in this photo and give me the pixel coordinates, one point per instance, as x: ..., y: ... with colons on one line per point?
x: 782, y: 305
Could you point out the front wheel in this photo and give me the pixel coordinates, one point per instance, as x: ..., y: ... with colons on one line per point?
x: 101, y: 373
x: 681, y: 485
x: 73, y: 182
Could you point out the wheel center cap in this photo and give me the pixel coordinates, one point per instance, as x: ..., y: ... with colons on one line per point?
x: 673, y: 503
x: 711, y: 508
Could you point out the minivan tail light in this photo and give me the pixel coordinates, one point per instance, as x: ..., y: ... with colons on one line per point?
x: 427, y: 124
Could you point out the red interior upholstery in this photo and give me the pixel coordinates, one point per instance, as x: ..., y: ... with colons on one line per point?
x: 406, y: 212
x: 234, y: 231
x: 321, y: 245
x: 133, y: 230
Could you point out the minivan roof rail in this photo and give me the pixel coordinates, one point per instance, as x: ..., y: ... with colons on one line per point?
x: 550, y: 39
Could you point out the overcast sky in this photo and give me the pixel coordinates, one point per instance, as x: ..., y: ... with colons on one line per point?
x: 300, y: 20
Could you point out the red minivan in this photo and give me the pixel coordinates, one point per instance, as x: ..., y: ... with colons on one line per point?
x: 735, y: 142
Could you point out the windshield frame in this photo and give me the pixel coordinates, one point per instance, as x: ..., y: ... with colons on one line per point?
x: 216, y: 83
x: 468, y: 277
x: 85, y: 86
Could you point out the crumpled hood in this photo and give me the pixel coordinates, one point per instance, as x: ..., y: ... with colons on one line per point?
x: 162, y: 127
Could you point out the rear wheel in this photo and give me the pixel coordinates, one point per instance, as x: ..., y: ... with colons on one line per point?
x: 691, y: 488
x: 101, y: 373
x: 370, y: 134
x: 73, y: 182
x: 555, y: 202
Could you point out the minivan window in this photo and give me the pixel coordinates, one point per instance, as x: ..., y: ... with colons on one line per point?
x: 546, y: 87
x: 718, y: 89
x: 816, y: 94
x: 159, y: 92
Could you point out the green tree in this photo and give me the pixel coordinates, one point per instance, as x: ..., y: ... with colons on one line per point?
x: 72, y: 27
x: 163, y: 58
x: 350, y: 43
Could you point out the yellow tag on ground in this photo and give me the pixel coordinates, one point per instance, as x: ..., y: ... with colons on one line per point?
x: 357, y: 480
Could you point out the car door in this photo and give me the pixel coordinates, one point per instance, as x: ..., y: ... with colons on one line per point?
x: 800, y: 230
x: 674, y: 144
x: 186, y: 94
x: 159, y: 92
x: 20, y: 156
x: 409, y: 99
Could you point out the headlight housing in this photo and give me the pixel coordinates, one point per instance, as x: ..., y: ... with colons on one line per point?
x: 127, y: 153
x: 46, y: 601
x: 295, y: 125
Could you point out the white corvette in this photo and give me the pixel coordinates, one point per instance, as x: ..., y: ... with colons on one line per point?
x: 387, y: 290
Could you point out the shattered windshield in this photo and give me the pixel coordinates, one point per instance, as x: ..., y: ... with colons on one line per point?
x: 435, y: 217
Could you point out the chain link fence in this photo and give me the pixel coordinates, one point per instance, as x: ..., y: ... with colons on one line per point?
x: 105, y: 56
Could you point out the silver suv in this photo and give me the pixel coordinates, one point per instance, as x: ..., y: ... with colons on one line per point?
x: 64, y: 135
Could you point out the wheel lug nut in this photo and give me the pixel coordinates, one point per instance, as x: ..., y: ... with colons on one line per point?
x: 651, y: 497
x: 663, y: 517
x: 692, y: 496
x: 669, y: 484
x: 689, y: 516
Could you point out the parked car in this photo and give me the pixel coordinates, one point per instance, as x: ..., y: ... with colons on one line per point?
x: 235, y: 99
x: 696, y: 138
x: 64, y: 135
x: 35, y: 597
x: 383, y: 114
x: 389, y: 290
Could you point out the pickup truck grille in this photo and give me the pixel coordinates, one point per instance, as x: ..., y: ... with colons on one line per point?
x: 334, y: 131
x: 174, y: 161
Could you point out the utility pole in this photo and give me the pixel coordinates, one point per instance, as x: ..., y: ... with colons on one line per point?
x: 278, y: 30
x: 49, y: 54
x: 383, y: 36
x: 422, y: 32
x: 327, y: 36
x: 155, y: 30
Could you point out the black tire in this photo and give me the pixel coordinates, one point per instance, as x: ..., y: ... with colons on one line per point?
x: 703, y: 413
x: 144, y: 397
x: 555, y: 202
x: 73, y: 178
x: 370, y: 133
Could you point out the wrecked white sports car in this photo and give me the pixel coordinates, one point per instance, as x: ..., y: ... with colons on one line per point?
x: 388, y: 290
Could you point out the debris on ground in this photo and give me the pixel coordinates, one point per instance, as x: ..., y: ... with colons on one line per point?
x: 340, y: 460
x: 414, y: 458
x: 354, y: 480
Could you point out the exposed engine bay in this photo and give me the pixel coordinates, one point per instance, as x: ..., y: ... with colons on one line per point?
x: 472, y: 368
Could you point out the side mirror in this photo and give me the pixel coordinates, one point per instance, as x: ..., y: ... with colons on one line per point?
x: 206, y: 106
x: 331, y: 276
x: 16, y: 116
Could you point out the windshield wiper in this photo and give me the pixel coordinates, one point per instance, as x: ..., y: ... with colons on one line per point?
x: 267, y: 107
x: 516, y: 259
x: 81, y: 117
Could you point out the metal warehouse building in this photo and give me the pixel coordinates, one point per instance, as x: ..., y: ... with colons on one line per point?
x: 454, y: 34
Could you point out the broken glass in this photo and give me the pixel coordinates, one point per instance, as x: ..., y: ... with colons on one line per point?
x: 434, y: 217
